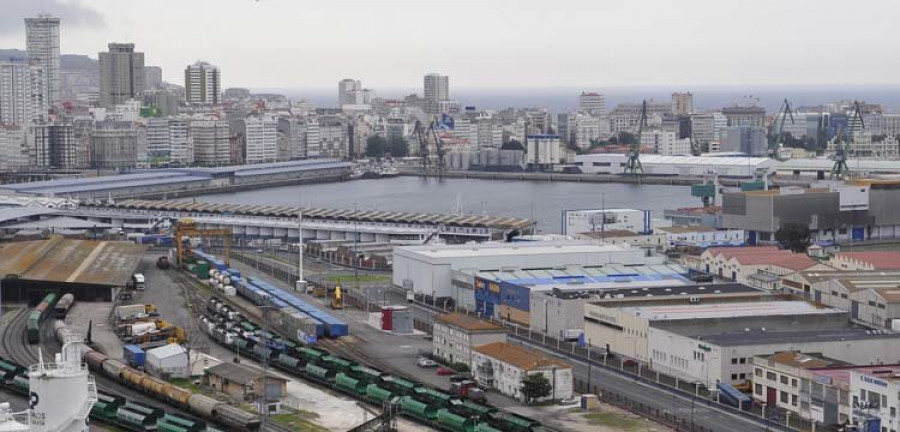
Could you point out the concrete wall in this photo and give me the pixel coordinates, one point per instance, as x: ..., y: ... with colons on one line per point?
x: 560, y: 314
x: 625, y: 333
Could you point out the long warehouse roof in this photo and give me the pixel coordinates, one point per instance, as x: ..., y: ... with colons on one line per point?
x: 71, y: 261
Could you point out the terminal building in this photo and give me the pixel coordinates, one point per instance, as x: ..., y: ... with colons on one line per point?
x: 685, y: 166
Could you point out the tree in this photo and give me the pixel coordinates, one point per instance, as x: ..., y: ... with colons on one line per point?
x: 375, y: 146
x: 794, y: 237
x: 535, y: 386
x: 398, y: 147
x: 513, y: 144
x: 627, y: 138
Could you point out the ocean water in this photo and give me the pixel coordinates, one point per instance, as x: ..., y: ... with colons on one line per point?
x: 564, y: 99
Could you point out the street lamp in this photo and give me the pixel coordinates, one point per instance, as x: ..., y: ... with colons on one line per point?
x: 693, y: 399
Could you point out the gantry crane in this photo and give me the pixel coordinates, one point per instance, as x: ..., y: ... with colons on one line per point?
x: 423, y: 136
x: 187, y: 228
x: 633, y: 166
x: 842, y: 146
x: 778, y: 127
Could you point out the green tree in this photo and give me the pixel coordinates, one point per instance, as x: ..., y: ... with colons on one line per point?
x: 375, y: 146
x: 794, y: 237
x: 626, y: 138
x: 398, y: 147
x: 535, y: 386
x: 512, y: 144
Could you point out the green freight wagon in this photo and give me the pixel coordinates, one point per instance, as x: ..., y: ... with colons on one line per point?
x: 435, y: 396
x: 336, y: 364
x: 135, y: 421
x: 311, y: 354
x: 171, y: 423
x: 377, y: 394
x: 400, y: 386
x: 8, y: 370
x: 201, y: 270
x: 477, y: 409
x: 454, y: 422
x: 513, y: 423
x: 319, y: 373
x: 350, y: 384
x: 366, y: 374
x: 419, y: 410
x: 21, y: 384
x: 291, y: 363
x: 484, y: 427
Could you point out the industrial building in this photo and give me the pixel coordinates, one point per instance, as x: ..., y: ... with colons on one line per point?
x: 871, y: 296
x: 179, y: 180
x: 597, y: 220
x: 869, y: 260
x: 561, y: 313
x: 90, y: 270
x: 503, y: 366
x: 834, y: 212
x: 429, y: 270
x: 696, y: 166
x: 243, y: 383
x: 168, y: 362
x: 713, y: 340
x: 701, y: 236
x: 761, y: 267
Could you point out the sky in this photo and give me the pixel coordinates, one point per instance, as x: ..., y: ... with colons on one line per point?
x: 489, y: 43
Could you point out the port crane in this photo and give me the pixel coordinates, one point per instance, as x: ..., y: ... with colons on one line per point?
x: 187, y: 228
x: 633, y: 166
x: 778, y: 127
x: 424, y: 135
x: 842, y: 146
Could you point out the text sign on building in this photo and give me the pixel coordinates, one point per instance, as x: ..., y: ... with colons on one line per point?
x: 873, y: 380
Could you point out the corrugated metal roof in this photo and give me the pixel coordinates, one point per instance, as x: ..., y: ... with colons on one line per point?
x: 71, y: 261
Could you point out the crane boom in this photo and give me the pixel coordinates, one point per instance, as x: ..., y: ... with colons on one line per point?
x: 633, y: 166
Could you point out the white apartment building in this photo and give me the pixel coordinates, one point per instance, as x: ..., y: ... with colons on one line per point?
x: 542, y: 152
x: 42, y: 43
x: 333, y: 140
x: 181, y: 150
x: 295, y: 131
x: 503, y: 366
x: 437, y: 87
x: 706, y: 127
x: 260, y: 138
x: 587, y: 128
x: 210, y: 139
x: 158, y: 138
x: 876, y: 393
x: 347, y: 91
x: 22, y: 97
x: 682, y: 103
x: 665, y: 143
x: 202, y: 83
x: 891, y: 125
x: 456, y: 335
x: 592, y: 104
x: 12, y: 147
x: 490, y: 134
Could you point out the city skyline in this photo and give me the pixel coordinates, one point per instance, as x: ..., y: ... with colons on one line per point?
x: 391, y: 44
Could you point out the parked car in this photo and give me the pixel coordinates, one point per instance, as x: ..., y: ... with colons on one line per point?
x: 444, y: 371
x: 427, y: 363
x: 569, y: 401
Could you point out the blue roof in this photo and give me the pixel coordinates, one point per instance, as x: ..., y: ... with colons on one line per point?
x: 84, y: 182
x: 310, y: 163
x: 288, y: 169
x: 118, y: 184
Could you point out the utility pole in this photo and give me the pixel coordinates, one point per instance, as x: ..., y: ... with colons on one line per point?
x: 589, y: 367
x: 299, y: 250
x: 355, y: 259
x: 264, y: 405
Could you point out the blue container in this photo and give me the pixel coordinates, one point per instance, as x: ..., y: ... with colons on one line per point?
x: 134, y: 355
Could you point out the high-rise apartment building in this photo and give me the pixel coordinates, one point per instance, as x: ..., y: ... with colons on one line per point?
x: 258, y: 137
x: 682, y: 103
x: 117, y: 145
x: 665, y: 143
x: 202, y: 84
x: 54, y: 146
x: 153, y: 77
x: 591, y: 103
x: 347, y: 91
x: 12, y: 147
x: 210, y: 141
x: 121, y: 74
x: 22, y: 97
x: 42, y: 43
x: 750, y: 140
x: 437, y: 90
x: 746, y: 115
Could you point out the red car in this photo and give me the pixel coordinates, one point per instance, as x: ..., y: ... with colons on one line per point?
x: 445, y: 371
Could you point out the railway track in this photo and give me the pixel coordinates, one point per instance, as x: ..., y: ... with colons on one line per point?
x: 14, y: 343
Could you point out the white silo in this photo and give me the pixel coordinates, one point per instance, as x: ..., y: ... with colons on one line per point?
x: 62, y: 393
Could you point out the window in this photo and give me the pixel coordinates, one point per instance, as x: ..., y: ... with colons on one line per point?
x: 784, y: 379
x: 743, y: 376
x: 783, y: 397
x: 743, y: 360
x: 758, y: 372
x: 734, y: 361
x: 734, y: 377
x: 893, y: 412
x: 771, y: 376
x: 758, y: 389
x: 844, y: 296
x: 793, y: 382
x: 794, y: 400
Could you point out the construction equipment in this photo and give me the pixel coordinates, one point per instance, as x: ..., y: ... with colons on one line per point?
x: 337, y: 300
x: 842, y: 146
x: 187, y: 228
x: 633, y: 166
x: 778, y: 128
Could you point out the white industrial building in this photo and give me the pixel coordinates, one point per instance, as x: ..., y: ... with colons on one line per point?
x: 697, y: 166
x: 503, y: 366
x: 543, y: 152
x: 428, y: 270
x: 169, y: 361
x: 701, y: 236
x: 596, y: 220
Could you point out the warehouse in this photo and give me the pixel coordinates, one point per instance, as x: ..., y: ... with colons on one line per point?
x: 91, y: 270
x: 560, y: 312
x: 168, y: 362
x: 871, y: 296
x: 428, y: 270
x: 696, y: 166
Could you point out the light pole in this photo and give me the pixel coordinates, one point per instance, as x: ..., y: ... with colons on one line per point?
x: 589, y: 367
x: 693, y: 399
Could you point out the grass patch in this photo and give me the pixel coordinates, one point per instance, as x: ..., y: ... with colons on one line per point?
x: 189, y: 385
x: 363, y: 278
x: 613, y: 420
x: 297, y: 422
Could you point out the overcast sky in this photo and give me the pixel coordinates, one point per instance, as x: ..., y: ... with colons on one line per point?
x: 490, y: 43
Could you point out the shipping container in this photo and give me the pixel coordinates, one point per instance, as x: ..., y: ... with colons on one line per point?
x: 134, y: 355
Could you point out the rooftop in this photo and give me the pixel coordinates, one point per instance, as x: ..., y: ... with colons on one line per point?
x: 468, y: 323
x: 803, y: 360
x: 166, y: 351
x: 657, y: 291
x: 728, y: 310
x: 609, y: 276
x: 608, y: 233
x: 879, y: 260
x: 239, y: 373
x: 685, y: 229
x: 519, y: 357
x: 508, y: 249
x: 71, y: 261
x: 756, y: 337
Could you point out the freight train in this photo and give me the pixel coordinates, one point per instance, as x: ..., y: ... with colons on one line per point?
x: 417, y: 401
x: 203, y: 406
x: 63, y: 305
x: 37, y: 316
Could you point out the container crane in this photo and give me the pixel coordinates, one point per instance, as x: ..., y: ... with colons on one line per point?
x: 187, y: 228
x: 778, y: 127
x: 633, y: 166
x: 423, y: 135
x: 842, y: 147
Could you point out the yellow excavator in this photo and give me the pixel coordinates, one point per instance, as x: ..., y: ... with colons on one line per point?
x: 337, y: 301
